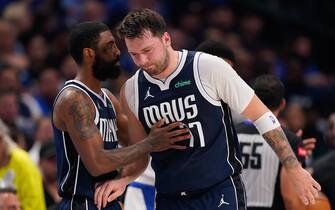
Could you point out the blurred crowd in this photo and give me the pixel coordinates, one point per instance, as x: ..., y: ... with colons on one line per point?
x: 279, y: 38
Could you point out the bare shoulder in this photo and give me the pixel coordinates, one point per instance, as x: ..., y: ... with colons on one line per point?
x: 70, y: 102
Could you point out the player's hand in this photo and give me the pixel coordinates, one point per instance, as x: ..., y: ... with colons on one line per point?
x: 108, y: 191
x: 162, y: 138
x: 304, y: 184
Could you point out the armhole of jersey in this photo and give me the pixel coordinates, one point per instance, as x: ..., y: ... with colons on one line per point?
x: 96, y: 119
x: 198, y: 81
x: 107, y: 97
x: 136, y: 95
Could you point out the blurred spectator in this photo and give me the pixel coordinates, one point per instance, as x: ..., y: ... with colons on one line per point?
x: 27, y: 178
x: 10, y: 50
x: 251, y: 27
x: 9, y: 200
x: 43, y: 134
x: 48, y: 86
x: 20, y: 16
x: 11, y: 115
x: 68, y: 68
x: 9, y: 78
x: 37, y: 52
x: 323, y: 169
x: 47, y: 157
x: 222, y: 18
x: 219, y: 49
x: 93, y: 10
x: 9, y: 81
x: 182, y: 39
x: 265, y: 61
x: 244, y: 64
x: 295, y: 117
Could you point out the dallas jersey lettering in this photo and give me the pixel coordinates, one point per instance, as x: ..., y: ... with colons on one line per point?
x: 261, y: 167
x: 73, y: 177
x: 212, y: 154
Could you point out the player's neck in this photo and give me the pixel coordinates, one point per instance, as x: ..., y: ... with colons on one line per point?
x: 85, y: 76
x: 173, y: 63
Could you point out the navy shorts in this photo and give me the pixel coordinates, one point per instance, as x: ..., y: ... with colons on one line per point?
x: 85, y: 204
x: 228, y: 195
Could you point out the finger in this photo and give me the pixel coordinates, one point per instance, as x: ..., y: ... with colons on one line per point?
x: 179, y: 132
x: 159, y: 123
x: 309, y: 141
x: 112, y: 196
x: 309, y: 146
x: 180, y: 138
x: 316, y: 185
x: 109, y: 190
x: 172, y: 126
x: 178, y: 147
x: 100, y: 195
x: 311, y: 197
x: 304, y: 199
x: 315, y: 193
x: 299, y: 133
x: 97, y: 190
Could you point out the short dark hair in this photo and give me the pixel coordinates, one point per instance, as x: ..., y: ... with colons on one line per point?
x: 137, y: 21
x: 270, y: 90
x: 84, y: 35
x: 216, y: 48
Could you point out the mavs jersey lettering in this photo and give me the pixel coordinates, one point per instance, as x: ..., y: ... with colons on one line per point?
x: 212, y: 154
x: 73, y: 177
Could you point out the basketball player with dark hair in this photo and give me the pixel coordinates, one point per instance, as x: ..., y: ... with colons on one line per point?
x: 88, y: 123
x: 197, y: 89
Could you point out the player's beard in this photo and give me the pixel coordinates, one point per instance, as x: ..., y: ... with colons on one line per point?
x: 103, y: 69
x: 160, y: 65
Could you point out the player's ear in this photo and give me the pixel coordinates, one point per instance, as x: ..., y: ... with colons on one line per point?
x: 282, y: 105
x: 166, y: 38
x: 88, y: 54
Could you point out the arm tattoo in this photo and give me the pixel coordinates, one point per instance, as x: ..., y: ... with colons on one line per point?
x: 83, y: 119
x: 277, y: 140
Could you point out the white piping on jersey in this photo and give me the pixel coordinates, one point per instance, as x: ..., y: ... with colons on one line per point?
x: 227, y: 142
x: 94, y: 93
x: 244, y: 192
x: 231, y: 130
x: 71, y: 203
x: 236, y: 199
x: 76, y: 179
x: 107, y: 98
x: 136, y: 99
x: 68, y: 162
x: 166, y: 84
x: 199, y: 83
x: 110, y: 101
x: 96, y: 119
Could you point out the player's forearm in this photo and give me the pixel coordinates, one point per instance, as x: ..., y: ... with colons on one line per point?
x: 109, y: 160
x: 131, y: 171
x: 279, y: 143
